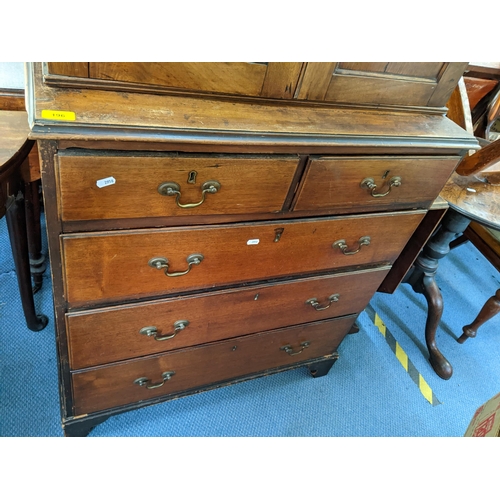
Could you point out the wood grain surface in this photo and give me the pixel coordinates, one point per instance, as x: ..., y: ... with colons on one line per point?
x: 476, y: 197
x: 336, y: 182
x: 113, y: 385
x: 112, y: 334
x: 15, y: 130
x: 113, y: 266
x: 248, y: 185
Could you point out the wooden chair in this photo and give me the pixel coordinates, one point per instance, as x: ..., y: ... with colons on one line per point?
x: 487, y: 241
x: 486, y: 121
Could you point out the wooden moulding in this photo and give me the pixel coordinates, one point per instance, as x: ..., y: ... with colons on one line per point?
x: 194, y: 122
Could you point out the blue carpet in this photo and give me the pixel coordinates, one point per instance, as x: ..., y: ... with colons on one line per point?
x: 366, y: 393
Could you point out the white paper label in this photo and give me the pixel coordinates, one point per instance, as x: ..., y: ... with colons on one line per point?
x: 108, y: 181
x: 253, y: 242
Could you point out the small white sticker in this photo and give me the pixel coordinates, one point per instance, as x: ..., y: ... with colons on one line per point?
x: 253, y: 242
x: 108, y: 181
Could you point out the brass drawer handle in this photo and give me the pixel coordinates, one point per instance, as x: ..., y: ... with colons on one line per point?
x: 289, y: 349
x: 314, y: 302
x: 369, y: 183
x: 162, y: 263
x: 145, y: 382
x: 152, y: 331
x: 364, y: 240
x: 173, y: 189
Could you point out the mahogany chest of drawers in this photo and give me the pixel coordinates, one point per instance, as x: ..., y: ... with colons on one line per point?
x: 204, y: 231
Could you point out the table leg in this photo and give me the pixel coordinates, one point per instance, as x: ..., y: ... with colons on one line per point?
x: 490, y: 309
x: 37, y: 259
x: 16, y: 223
x: 423, y: 281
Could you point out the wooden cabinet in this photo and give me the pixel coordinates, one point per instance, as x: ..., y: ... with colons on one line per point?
x: 210, y: 223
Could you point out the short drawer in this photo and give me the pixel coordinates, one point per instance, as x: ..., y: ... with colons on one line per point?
x: 373, y: 183
x: 95, y: 187
x: 116, y: 385
x: 117, y: 265
x: 124, y: 332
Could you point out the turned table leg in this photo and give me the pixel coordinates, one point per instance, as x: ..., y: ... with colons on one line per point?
x: 490, y: 309
x: 16, y: 223
x: 423, y: 281
x: 37, y: 259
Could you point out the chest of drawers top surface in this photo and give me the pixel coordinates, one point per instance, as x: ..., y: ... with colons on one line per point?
x: 210, y: 223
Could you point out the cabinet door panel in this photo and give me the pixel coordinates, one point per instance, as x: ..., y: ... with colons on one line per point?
x: 428, y: 70
x: 76, y: 69
x: 232, y: 78
x: 375, y: 90
x: 242, y: 78
x: 257, y: 79
x: 387, y: 83
x: 431, y: 70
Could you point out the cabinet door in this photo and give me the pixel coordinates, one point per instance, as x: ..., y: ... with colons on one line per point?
x: 388, y: 83
x: 258, y: 79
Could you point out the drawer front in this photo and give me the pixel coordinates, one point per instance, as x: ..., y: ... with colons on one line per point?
x: 111, y: 386
x: 119, y: 187
x: 376, y: 183
x: 125, y: 332
x: 121, y: 264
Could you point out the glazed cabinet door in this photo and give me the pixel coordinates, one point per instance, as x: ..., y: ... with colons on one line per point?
x: 389, y: 83
x: 257, y: 79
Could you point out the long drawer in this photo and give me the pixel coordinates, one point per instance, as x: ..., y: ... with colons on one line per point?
x: 117, y: 265
x: 373, y: 183
x: 129, y: 382
x: 118, y: 333
x: 95, y: 187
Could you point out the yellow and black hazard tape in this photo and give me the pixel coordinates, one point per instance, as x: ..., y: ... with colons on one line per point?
x: 403, y: 357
